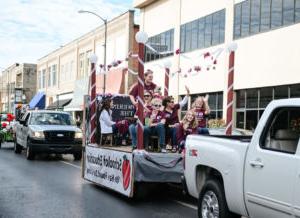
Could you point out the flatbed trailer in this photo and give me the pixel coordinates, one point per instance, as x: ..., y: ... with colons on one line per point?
x: 122, y: 170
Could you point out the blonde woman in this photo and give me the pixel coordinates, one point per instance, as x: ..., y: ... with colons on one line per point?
x: 187, y: 126
x: 202, y: 110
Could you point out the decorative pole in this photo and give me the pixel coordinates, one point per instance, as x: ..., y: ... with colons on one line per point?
x: 167, y: 66
x: 141, y: 38
x: 229, y: 112
x: 93, y: 60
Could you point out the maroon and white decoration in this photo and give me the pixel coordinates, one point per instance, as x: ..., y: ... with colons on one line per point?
x: 93, y: 60
x: 230, y: 92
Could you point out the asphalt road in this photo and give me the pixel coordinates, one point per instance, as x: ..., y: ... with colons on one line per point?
x: 51, y: 186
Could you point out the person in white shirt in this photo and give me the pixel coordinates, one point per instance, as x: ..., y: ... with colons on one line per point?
x: 105, y: 119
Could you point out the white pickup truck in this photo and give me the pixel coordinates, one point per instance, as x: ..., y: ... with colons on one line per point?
x: 232, y: 177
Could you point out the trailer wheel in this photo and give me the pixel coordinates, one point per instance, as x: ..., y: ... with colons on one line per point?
x: 140, y: 191
x: 212, y: 201
x: 77, y: 156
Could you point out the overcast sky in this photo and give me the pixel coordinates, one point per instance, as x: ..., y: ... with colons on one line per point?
x: 30, y: 29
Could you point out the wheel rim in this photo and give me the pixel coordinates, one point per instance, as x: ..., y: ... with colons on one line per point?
x: 210, y: 205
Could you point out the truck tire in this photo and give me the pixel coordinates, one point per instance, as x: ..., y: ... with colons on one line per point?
x: 212, y: 201
x: 77, y: 156
x: 29, y: 152
x: 17, y: 148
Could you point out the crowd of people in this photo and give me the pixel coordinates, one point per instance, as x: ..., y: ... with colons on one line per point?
x: 161, y: 118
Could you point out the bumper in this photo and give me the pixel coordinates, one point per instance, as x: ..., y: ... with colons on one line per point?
x: 55, y: 148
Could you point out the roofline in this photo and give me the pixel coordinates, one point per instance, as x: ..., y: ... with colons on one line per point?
x: 93, y: 30
x: 144, y: 4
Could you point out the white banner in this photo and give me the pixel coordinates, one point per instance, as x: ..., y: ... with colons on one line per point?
x: 109, y: 168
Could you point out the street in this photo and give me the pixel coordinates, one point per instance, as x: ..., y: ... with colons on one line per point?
x: 51, y: 186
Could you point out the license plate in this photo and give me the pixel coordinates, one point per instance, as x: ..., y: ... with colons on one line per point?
x: 60, y: 135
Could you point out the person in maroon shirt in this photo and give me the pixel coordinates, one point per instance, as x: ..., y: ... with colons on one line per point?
x: 187, y: 126
x: 202, y: 110
x: 155, y: 124
x: 133, y: 127
x: 148, y: 86
x: 171, y: 114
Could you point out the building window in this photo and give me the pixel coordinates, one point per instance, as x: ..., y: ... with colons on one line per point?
x: 53, y: 75
x: 87, y: 63
x: 39, y: 79
x: 43, y: 81
x: 203, y: 32
x: 49, y: 76
x: 264, y: 15
x: 81, y: 65
x: 251, y: 103
x: 163, y: 42
x: 245, y: 22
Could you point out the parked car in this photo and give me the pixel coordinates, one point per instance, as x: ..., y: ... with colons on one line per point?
x: 232, y: 177
x: 48, y: 132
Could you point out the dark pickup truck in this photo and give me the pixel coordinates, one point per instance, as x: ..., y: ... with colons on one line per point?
x: 51, y: 132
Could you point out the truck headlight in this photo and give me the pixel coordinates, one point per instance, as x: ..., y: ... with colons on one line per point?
x: 78, y: 135
x: 38, y: 135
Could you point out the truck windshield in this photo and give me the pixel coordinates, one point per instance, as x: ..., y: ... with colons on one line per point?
x: 51, y: 119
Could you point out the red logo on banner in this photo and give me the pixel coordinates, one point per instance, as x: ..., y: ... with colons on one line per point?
x: 126, y: 172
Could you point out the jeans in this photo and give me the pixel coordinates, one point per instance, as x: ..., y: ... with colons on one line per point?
x: 158, y: 130
x: 172, y: 131
x: 116, y: 133
x: 133, y: 135
x: 202, y: 131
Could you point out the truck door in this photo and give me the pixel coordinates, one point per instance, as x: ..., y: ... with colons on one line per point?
x: 297, y: 180
x: 271, y: 165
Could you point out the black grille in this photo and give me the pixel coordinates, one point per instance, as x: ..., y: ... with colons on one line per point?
x: 59, y: 136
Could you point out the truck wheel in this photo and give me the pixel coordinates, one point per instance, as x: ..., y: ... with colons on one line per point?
x: 17, y: 148
x: 77, y: 156
x: 212, y: 201
x: 29, y: 152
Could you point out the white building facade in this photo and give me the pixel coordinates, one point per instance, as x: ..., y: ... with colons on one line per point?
x: 267, y: 33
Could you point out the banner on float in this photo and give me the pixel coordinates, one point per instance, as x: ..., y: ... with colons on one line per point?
x: 109, y: 168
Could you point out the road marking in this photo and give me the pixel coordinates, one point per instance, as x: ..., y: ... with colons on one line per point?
x: 186, y: 205
x: 178, y: 202
x: 73, y: 165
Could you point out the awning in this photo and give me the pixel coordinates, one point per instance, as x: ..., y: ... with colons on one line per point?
x: 80, y: 89
x: 38, y: 101
x: 60, y: 104
x: 114, y: 82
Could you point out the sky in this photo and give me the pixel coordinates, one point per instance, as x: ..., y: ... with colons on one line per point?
x: 30, y: 29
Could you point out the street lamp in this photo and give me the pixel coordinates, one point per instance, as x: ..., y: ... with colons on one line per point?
x: 105, y: 37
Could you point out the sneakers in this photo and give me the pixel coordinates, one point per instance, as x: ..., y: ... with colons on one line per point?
x: 163, y: 150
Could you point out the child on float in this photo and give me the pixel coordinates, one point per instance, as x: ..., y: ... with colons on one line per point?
x: 187, y: 126
x: 133, y: 127
x: 107, y: 125
x: 155, y: 124
x: 202, y: 110
x: 171, y: 113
